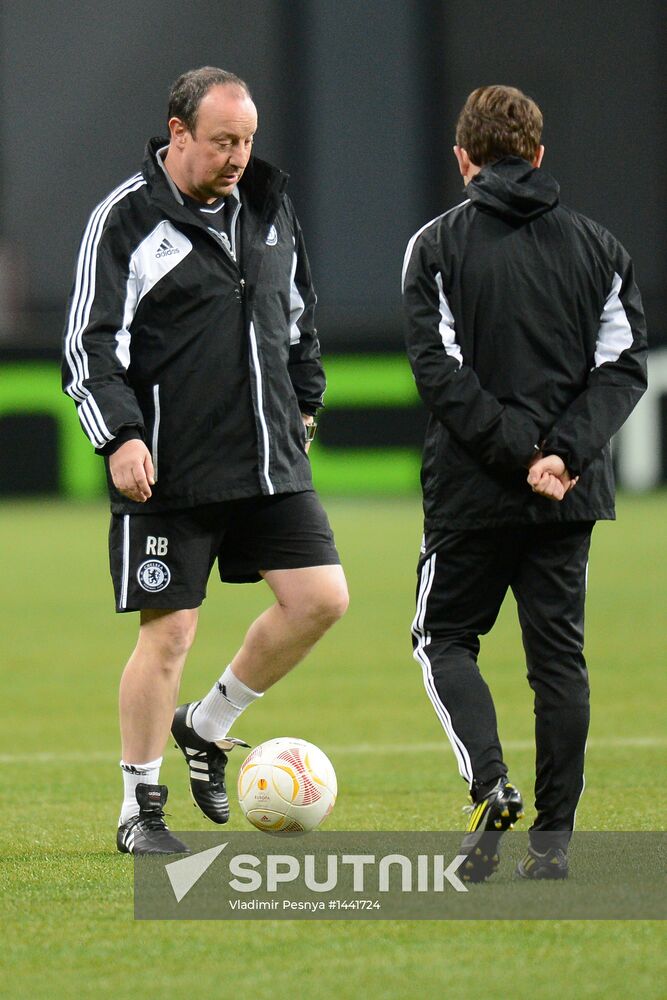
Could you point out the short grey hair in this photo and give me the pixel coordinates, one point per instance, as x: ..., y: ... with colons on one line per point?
x: 188, y: 90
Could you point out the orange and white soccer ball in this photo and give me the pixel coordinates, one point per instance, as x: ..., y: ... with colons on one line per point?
x: 287, y: 785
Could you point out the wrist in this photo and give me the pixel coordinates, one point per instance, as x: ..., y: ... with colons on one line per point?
x: 310, y: 427
x: 124, y: 435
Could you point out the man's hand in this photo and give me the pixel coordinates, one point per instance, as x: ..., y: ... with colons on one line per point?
x: 132, y: 471
x: 549, y: 477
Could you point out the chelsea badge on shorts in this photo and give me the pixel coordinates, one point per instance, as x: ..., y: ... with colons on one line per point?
x: 153, y: 576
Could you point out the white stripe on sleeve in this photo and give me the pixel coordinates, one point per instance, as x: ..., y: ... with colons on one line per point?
x: 84, y: 285
x: 615, y: 333
x: 296, y: 304
x: 89, y: 425
x: 446, y: 326
x: 413, y: 240
x: 79, y: 316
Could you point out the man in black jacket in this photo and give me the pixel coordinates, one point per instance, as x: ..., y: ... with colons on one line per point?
x: 526, y: 337
x: 191, y: 354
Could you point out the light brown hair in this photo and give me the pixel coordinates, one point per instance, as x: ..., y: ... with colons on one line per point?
x: 499, y: 121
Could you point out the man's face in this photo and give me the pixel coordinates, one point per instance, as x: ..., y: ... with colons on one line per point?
x: 213, y: 158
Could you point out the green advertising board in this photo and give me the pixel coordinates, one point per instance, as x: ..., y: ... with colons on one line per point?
x: 363, y: 382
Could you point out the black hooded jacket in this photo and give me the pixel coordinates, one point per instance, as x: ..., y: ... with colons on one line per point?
x: 167, y: 340
x: 525, y: 331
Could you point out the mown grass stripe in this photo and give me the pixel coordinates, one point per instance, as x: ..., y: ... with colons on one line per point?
x: 108, y: 756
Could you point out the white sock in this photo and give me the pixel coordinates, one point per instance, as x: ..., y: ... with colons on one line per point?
x: 215, y: 714
x: 133, y: 775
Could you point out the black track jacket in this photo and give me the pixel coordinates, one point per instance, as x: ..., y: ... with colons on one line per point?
x: 525, y: 330
x: 168, y: 341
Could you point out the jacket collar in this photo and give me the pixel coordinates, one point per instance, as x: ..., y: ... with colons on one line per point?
x: 262, y: 187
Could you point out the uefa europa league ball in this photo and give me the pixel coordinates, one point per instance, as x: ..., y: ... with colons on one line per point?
x: 287, y: 786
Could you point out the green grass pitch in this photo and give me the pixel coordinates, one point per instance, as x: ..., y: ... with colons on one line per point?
x: 68, y: 929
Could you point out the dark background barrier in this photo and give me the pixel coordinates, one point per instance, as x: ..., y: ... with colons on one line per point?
x: 358, y: 103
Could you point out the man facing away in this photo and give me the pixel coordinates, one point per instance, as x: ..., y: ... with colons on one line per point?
x: 192, y: 357
x: 526, y: 337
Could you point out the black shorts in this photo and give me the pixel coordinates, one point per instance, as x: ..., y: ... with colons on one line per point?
x: 164, y: 560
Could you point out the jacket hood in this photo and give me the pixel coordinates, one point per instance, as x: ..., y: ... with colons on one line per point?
x: 513, y: 190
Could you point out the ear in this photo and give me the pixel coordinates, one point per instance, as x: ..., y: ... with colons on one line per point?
x: 463, y: 160
x: 538, y: 157
x: 177, y: 131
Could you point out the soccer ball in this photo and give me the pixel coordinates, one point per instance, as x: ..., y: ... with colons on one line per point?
x: 287, y: 785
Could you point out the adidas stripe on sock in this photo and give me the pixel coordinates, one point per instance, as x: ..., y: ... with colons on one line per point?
x: 215, y: 714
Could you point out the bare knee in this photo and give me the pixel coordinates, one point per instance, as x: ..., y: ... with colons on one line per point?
x: 324, y: 606
x: 337, y: 602
x: 168, y: 635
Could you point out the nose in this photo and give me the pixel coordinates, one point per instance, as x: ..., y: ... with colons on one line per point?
x: 240, y: 154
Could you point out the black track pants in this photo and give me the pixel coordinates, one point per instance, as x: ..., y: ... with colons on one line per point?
x: 463, y: 577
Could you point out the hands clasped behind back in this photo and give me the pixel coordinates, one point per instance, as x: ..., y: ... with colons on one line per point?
x: 549, y: 477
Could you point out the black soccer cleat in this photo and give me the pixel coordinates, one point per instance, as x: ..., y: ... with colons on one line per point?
x: 552, y: 864
x: 489, y: 819
x: 206, y: 762
x: 147, y: 833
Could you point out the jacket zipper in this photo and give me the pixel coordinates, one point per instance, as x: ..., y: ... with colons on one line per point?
x: 232, y: 235
x: 260, y: 408
x: 156, y: 428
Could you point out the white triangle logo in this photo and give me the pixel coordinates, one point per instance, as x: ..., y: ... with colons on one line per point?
x: 187, y: 872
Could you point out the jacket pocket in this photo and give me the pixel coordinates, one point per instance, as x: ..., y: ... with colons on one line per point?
x: 156, y: 429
